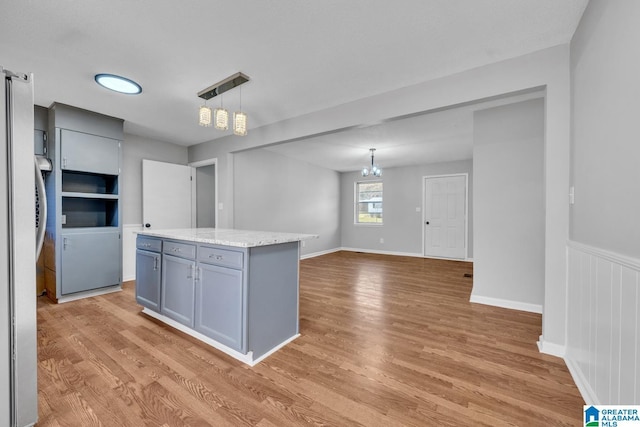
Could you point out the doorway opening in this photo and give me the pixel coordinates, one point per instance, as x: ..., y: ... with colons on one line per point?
x: 206, y: 191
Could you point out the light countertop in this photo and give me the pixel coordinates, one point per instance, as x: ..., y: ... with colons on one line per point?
x: 228, y: 237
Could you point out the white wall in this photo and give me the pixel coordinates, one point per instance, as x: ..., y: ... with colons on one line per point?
x: 603, y: 345
x: 277, y: 193
x: 605, y: 71
x: 509, y: 206
x: 548, y: 69
x: 403, y: 193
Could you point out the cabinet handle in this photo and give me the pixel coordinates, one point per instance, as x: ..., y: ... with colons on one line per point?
x: 198, y: 273
x: 155, y: 264
x: 191, y: 272
x: 64, y: 244
x: 177, y: 250
x: 64, y: 162
x: 218, y: 257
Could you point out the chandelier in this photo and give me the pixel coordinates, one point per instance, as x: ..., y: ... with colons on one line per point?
x: 219, y: 117
x: 373, y: 169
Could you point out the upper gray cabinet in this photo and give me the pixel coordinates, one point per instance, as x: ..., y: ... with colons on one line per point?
x: 84, y: 152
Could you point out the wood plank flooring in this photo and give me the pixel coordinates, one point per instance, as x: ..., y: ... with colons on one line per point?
x: 386, y: 341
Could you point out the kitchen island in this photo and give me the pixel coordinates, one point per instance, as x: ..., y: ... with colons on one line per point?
x: 236, y: 290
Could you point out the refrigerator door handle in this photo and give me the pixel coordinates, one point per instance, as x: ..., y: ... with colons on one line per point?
x: 42, y: 200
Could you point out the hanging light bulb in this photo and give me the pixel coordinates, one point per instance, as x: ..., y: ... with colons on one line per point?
x: 240, y: 120
x: 221, y: 117
x: 205, y: 116
x: 239, y: 123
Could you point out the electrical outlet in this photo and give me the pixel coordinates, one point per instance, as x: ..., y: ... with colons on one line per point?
x: 382, y: 240
x: 304, y: 243
x: 63, y: 219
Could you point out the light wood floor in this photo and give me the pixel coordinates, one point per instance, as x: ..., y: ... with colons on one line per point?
x: 386, y: 341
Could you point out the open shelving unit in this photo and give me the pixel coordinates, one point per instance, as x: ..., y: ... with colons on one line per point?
x: 84, y: 245
x: 89, y: 200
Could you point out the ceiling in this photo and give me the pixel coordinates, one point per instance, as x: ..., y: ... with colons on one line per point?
x: 301, y: 56
x: 431, y: 137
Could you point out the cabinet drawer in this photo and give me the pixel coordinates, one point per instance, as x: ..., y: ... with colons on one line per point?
x: 220, y: 257
x: 179, y: 249
x: 149, y: 244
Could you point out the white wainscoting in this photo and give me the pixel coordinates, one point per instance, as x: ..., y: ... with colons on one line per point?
x: 603, y: 325
x: 129, y: 251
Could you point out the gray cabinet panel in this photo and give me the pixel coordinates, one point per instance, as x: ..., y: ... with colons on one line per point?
x: 90, y: 260
x: 273, y: 296
x: 178, y: 289
x: 89, y: 153
x: 149, y: 244
x: 219, y: 302
x: 148, y: 268
x: 221, y: 257
x: 182, y: 250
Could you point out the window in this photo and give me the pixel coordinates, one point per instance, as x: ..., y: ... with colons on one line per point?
x: 368, y: 202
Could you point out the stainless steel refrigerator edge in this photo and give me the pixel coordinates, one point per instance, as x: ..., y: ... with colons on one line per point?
x: 18, y: 354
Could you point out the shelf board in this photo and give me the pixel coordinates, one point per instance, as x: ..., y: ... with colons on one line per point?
x: 90, y: 195
x: 66, y: 230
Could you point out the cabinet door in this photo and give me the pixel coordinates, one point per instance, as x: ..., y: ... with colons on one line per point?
x: 148, y: 279
x: 219, y: 312
x: 178, y: 289
x: 89, y: 153
x: 90, y: 260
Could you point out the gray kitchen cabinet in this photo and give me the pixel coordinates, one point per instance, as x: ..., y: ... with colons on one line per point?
x: 90, y: 260
x: 177, y: 299
x: 242, y: 300
x: 89, y: 153
x: 148, y: 272
x: 219, y: 305
x: 83, y: 243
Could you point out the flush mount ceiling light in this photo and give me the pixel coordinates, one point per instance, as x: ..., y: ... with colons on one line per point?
x: 118, y: 84
x: 221, y: 115
x: 373, y: 169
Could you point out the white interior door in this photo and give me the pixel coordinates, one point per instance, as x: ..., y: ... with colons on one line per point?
x: 445, y: 216
x: 168, y: 197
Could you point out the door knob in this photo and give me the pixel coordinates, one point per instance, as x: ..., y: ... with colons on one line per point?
x: 147, y: 225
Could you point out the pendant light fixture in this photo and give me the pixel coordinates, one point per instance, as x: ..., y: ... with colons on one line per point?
x: 204, y: 115
x: 374, y: 169
x: 240, y: 120
x: 221, y: 115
